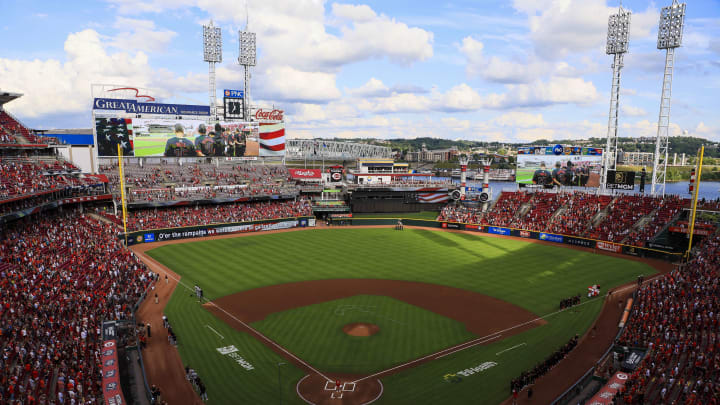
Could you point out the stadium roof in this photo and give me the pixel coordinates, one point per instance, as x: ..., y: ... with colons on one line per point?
x: 6, y: 97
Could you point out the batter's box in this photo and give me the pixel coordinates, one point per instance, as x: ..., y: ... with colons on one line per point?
x: 330, y: 386
x: 336, y: 395
x: 349, y: 387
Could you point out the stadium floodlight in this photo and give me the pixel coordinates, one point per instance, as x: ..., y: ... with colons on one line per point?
x: 247, y: 58
x: 672, y: 19
x: 212, y: 53
x: 617, y: 45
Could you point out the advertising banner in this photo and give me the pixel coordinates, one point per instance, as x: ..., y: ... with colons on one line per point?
x: 498, y: 231
x: 620, y: 180
x: 336, y: 174
x: 570, y: 240
x: 134, y: 107
x: 607, y: 393
x: 159, y: 235
x: 452, y: 225
x: 524, y: 234
x: 300, y: 174
x: 474, y: 227
x: 555, y: 166
x: 631, y: 250
x: 609, y: 247
x: 112, y: 391
x: 550, y: 237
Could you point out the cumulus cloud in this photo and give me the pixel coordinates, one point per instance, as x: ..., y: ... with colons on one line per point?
x: 632, y: 111
x: 559, y: 27
x: 141, y: 35
x: 51, y: 86
x: 373, y: 88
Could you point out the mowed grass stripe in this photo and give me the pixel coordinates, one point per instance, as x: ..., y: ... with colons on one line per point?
x: 532, y: 276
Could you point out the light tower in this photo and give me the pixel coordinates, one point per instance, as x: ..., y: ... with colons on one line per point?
x: 212, y: 52
x: 617, y: 45
x: 463, y: 160
x: 669, y: 37
x: 247, y: 58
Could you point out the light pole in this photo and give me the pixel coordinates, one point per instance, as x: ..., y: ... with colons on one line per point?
x: 617, y: 45
x: 247, y: 58
x: 669, y: 37
x: 280, y: 382
x: 212, y: 53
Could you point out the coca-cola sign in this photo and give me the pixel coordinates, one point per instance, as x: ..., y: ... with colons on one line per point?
x: 305, y: 173
x: 269, y: 115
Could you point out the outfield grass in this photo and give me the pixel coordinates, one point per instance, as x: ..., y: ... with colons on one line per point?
x: 431, y: 215
x: 532, y: 276
x: 406, y: 332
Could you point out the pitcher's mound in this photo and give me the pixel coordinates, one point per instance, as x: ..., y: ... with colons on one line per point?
x: 361, y: 329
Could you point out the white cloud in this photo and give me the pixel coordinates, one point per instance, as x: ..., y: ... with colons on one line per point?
x: 147, y: 6
x: 290, y: 84
x: 560, y: 27
x: 460, y: 98
x: 632, y: 111
x: 141, y: 35
x: 373, y: 88
x: 519, y: 119
x: 556, y: 90
x: 361, y: 13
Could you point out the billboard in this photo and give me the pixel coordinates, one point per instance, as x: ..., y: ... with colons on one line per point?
x: 135, y: 107
x: 175, y: 138
x: 555, y: 166
x: 621, y: 180
x: 272, y: 138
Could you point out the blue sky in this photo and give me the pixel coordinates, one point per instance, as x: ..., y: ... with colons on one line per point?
x: 508, y: 71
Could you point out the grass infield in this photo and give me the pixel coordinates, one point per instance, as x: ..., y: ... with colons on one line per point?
x: 532, y: 276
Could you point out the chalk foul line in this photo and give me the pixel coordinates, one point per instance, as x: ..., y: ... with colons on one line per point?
x: 216, y: 332
x: 510, y: 348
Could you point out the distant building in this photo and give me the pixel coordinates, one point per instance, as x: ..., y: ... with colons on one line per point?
x: 436, y: 155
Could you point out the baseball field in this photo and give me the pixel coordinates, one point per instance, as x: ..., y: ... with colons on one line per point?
x: 411, y: 317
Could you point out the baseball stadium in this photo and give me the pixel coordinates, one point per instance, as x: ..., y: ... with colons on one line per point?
x: 191, y: 254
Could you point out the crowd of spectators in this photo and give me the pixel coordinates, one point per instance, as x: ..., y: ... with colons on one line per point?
x: 505, y: 208
x: 199, y: 181
x: 677, y: 318
x: 667, y: 209
x: 580, y: 209
x: 60, y: 277
x: 460, y: 213
x: 542, y: 208
x: 19, y: 177
x: 11, y: 130
x: 171, y: 217
x: 623, y: 214
x: 528, y: 377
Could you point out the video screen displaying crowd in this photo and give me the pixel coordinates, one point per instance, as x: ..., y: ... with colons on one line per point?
x: 155, y: 218
x: 623, y: 218
x: 60, y: 276
x: 197, y: 181
x: 677, y: 318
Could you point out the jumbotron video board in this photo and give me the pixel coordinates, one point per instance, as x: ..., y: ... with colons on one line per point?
x: 558, y: 166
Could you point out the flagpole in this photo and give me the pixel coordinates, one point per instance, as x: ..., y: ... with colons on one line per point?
x: 695, y: 198
x: 122, y: 191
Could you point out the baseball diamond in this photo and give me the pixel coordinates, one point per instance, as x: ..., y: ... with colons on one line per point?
x: 286, y: 316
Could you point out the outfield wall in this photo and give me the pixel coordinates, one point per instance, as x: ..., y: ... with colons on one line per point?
x: 165, y: 234
x: 664, y: 254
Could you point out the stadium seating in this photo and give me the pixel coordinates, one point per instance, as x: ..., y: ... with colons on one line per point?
x: 505, y: 208
x: 624, y: 212
x: 580, y: 209
x: 189, y: 216
x: 23, y: 177
x: 542, y: 208
x: 14, y: 132
x: 169, y: 182
x: 666, y: 211
x: 677, y: 317
x: 61, y: 276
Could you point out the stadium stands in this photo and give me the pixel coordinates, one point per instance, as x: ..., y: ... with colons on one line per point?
x: 677, y: 318
x: 61, y: 276
x: 542, y: 208
x: 171, y: 182
x: 13, y: 132
x: 624, y: 212
x: 24, y: 177
x: 580, y: 209
x: 189, y: 216
x: 505, y: 208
